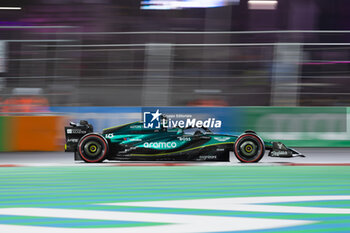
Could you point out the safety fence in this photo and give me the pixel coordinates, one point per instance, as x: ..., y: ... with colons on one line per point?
x: 65, y: 66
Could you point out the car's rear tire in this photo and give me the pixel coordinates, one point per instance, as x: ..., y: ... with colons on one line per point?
x: 93, y: 148
x: 249, y: 148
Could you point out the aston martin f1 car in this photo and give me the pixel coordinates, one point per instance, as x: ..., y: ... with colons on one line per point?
x: 134, y: 141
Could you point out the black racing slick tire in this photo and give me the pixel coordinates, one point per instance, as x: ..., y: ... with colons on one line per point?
x: 93, y: 148
x: 249, y: 148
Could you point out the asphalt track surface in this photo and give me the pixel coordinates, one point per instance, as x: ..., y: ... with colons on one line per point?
x: 48, y: 192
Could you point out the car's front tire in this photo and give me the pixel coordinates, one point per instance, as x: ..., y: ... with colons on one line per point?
x: 93, y: 148
x: 249, y: 148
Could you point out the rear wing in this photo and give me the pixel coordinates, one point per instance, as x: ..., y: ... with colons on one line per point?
x: 74, y: 132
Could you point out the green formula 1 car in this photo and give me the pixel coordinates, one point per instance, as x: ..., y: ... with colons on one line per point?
x: 134, y: 141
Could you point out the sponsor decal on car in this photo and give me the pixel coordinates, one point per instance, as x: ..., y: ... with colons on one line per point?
x: 72, y: 140
x: 221, y: 139
x: 187, y: 139
x: 110, y: 135
x: 133, y: 139
x: 160, y: 145
x: 135, y: 127
x: 279, y: 153
x: 220, y: 149
x: 205, y: 157
x: 76, y: 131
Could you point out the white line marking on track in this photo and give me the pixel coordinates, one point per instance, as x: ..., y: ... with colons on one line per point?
x: 248, y: 204
x: 178, y: 223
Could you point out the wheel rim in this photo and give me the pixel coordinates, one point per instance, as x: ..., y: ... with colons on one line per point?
x: 92, y: 148
x: 249, y: 149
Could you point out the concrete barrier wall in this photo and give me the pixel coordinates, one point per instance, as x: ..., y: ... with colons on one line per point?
x: 297, y: 127
x: 32, y: 133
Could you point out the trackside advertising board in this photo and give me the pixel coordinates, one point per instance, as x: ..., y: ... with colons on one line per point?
x: 301, y: 126
x: 295, y: 126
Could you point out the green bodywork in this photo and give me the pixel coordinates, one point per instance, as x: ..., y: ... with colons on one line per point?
x: 176, y: 138
x: 164, y: 140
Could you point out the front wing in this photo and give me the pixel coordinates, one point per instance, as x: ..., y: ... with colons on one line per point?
x: 278, y: 149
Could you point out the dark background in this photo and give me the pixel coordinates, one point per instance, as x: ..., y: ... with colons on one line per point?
x: 89, y: 53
